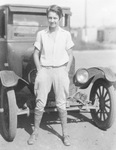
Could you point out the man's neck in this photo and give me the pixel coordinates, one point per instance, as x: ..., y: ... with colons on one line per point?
x: 53, y: 29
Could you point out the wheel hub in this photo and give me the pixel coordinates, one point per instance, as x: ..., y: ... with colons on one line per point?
x: 102, y: 103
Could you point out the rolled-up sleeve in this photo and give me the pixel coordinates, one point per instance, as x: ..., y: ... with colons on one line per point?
x: 69, y: 42
x: 38, y: 41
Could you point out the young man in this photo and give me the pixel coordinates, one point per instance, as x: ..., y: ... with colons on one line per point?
x: 55, y: 46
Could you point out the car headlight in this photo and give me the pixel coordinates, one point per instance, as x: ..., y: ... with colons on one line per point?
x: 82, y: 76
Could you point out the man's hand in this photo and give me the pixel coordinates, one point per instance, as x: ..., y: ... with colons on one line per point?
x: 67, y: 69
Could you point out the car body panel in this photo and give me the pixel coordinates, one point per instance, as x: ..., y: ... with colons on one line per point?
x: 9, y: 78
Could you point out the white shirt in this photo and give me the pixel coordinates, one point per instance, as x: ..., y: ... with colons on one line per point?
x: 53, y: 52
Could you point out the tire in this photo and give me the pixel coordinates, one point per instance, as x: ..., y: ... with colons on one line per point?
x: 9, y: 116
x: 105, y: 95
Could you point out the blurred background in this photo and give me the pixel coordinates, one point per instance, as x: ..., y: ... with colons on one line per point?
x: 93, y: 22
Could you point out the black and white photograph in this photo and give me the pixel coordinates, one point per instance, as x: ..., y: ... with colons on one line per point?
x: 57, y: 75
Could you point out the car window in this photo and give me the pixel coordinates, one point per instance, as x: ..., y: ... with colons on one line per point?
x: 26, y: 25
x: 30, y: 19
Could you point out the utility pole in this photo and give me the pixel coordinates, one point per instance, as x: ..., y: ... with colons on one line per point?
x: 86, y: 38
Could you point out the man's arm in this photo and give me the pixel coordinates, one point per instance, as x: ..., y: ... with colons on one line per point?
x: 36, y: 56
x: 70, y: 53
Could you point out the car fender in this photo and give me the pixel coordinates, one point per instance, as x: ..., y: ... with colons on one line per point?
x: 10, y: 79
x: 110, y: 75
x: 105, y: 72
x: 96, y: 73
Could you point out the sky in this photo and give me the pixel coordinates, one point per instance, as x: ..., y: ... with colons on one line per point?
x: 98, y: 12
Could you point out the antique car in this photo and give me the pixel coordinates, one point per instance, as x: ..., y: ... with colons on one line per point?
x: 18, y: 27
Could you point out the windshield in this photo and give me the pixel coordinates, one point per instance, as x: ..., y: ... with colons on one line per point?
x: 27, y: 24
x: 30, y: 19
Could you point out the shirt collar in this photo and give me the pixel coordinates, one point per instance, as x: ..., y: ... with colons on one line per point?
x: 59, y: 29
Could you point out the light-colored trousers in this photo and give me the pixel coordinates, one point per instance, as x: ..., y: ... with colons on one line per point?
x: 46, y: 77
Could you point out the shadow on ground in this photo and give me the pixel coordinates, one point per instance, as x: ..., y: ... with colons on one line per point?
x: 49, y: 119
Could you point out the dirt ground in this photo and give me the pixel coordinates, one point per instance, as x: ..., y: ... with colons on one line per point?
x: 84, y: 135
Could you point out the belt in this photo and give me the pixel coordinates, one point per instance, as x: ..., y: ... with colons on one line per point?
x: 48, y: 67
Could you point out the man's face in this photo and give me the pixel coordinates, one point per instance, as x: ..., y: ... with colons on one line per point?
x: 53, y: 19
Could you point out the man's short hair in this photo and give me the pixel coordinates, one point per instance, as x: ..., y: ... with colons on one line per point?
x: 56, y: 9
